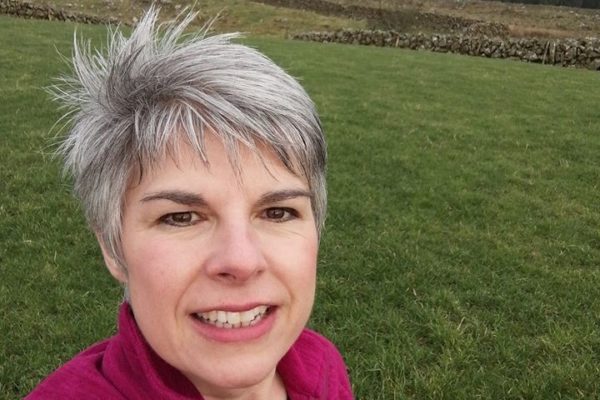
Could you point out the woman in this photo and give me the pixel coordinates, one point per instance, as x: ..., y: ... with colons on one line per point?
x: 200, y: 165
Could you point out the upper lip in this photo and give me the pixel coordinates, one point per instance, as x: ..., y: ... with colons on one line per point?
x: 234, y: 307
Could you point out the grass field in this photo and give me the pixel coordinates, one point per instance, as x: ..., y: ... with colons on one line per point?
x: 522, y: 20
x: 234, y: 15
x: 462, y: 250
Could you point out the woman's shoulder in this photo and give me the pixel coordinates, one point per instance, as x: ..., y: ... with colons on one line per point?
x: 311, y: 340
x: 80, y: 378
x: 319, y: 348
x: 314, y: 367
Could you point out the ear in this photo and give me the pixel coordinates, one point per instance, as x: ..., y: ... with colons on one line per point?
x: 118, y: 272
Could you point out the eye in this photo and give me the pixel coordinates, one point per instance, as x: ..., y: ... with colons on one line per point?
x: 280, y: 214
x: 180, y: 219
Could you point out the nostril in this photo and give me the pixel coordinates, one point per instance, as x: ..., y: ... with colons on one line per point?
x: 235, y: 275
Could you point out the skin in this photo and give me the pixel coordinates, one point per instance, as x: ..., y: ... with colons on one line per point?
x: 196, y: 237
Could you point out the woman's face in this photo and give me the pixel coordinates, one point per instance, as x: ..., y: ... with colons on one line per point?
x: 220, y: 268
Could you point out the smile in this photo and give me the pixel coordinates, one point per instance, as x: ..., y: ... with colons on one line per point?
x: 232, y: 320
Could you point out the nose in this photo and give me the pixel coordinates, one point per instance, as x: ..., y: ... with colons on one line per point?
x: 237, y: 255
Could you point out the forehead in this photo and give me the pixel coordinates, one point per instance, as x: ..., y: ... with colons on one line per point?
x: 182, y: 164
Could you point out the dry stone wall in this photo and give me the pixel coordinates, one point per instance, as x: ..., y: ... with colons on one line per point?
x: 564, y: 52
x: 25, y: 9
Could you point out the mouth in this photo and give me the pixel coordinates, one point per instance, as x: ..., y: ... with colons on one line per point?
x: 232, y: 319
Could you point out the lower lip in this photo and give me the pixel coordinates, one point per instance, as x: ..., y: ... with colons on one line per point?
x: 243, y: 334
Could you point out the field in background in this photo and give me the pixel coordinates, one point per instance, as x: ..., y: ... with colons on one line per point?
x: 462, y: 250
x: 258, y: 19
x: 233, y: 15
x: 524, y: 20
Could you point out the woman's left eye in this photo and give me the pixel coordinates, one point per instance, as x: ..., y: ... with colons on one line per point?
x: 180, y: 219
x: 280, y: 214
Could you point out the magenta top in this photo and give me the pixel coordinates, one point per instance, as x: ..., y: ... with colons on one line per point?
x: 125, y: 367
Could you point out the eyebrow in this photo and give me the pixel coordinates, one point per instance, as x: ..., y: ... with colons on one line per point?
x: 193, y: 199
x: 282, y: 195
x: 177, y: 196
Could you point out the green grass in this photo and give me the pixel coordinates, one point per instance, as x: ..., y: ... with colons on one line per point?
x: 462, y: 250
x: 234, y: 15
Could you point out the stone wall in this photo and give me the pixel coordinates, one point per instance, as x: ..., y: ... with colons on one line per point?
x: 401, y: 20
x: 25, y: 9
x: 565, y: 52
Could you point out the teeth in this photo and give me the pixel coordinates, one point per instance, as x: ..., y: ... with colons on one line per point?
x: 221, y: 316
x: 229, y: 320
x: 234, y: 319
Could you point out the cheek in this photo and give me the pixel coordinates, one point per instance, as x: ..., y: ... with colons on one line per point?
x: 156, y: 267
x: 301, y: 260
x: 303, y: 282
x: 311, y: 251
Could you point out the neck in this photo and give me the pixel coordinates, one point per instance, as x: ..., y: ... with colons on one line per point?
x: 271, y: 388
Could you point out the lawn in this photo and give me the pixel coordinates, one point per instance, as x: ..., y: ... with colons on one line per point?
x: 233, y: 15
x: 462, y: 249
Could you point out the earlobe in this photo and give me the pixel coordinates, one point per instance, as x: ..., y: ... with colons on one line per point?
x: 115, y: 269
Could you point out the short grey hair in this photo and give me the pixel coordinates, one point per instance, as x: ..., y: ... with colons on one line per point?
x: 128, y: 105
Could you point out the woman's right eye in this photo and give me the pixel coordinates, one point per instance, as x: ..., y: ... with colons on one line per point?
x: 180, y: 219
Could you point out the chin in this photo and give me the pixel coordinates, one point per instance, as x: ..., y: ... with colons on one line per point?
x: 236, y: 375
